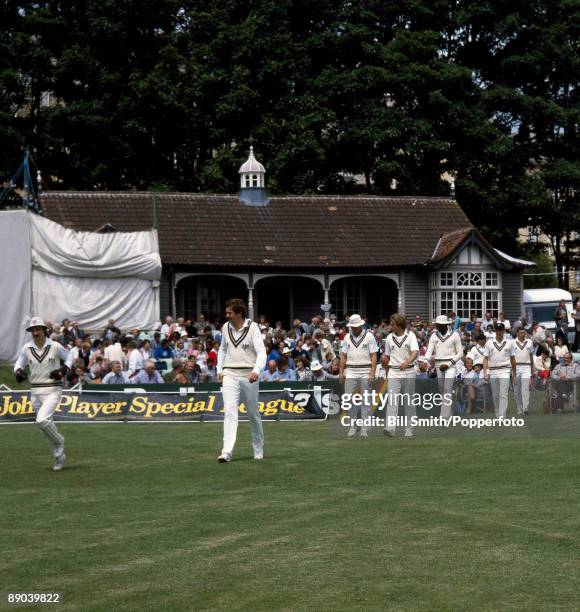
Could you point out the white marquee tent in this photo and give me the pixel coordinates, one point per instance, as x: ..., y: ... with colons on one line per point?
x: 52, y: 272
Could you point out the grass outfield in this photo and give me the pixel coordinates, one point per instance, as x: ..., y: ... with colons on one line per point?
x: 144, y: 518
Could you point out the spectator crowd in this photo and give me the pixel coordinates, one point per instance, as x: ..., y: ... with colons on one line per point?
x: 184, y: 351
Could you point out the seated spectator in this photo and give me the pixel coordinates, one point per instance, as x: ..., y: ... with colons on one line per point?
x: 148, y: 375
x: 113, y: 351
x: 212, y: 357
x: 206, y: 333
x: 334, y: 369
x: 298, y: 349
x: 564, y: 377
x: 287, y: 354
x: 471, y: 323
x: 193, y: 350
x: 135, y: 359
x: 200, y: 322
x: 84, y: 353
x: 180, y: 352
x: 97, y: 348
x: 191, y: 371
x: 302, y: 371
x: 77, y: 375
x: 65, y: 338
x: 190, y: 328
x: 168, y: 327
x: 279, y: 330
x: 75, y: 348
x: 271, y: 369
x: 177, y: 374
x: 146, y: 351
x: 299, y: 328
x: 561, y: 349
x: 203, y: 371
x: 326, y: 350
x: 132, y: 334
x: 116, y: 376
x: 313, y: 351
x: 97, y: 369
x: 283, y: 373
x: 156, y: 341
x: 111, y: 332
x: 164, y: 351
x: 273, y: 354
x: 327, y: 361
x: 75, y: 332
x: 318, y: 373
x: 543, y: 366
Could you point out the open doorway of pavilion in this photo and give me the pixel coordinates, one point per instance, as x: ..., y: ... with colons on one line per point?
x: 207, y: 295
x: 374, y: 297
x: 285, y: 298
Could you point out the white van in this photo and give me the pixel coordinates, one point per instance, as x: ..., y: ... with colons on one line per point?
x: 540, y: 305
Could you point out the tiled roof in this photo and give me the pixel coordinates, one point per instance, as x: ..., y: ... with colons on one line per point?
x: 449, y: 242
x: 291, y: 231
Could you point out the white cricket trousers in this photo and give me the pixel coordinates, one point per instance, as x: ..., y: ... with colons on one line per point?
x: 522, y: 391
x: 499, y: 386
x: 400, y: 393
x: 238, y: 390
x: 446, y: 380
x: 358, y: 384
x: 44, y: 403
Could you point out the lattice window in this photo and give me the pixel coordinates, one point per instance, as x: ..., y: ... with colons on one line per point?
x: 491, y: 279
x: 446, y: 279
x: 469, y: 279
x: 492, y: 302
x: 445, y: 302
x: 468, y: 303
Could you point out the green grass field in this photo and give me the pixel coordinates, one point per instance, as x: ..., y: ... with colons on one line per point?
x: 144, y: 518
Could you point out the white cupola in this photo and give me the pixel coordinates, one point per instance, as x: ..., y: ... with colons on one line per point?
x: 252, y: 182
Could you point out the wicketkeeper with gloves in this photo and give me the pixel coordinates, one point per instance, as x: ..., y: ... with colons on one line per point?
x: 45, y: 360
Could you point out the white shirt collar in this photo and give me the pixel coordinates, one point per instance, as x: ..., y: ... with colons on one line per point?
x: 247, y: 323
x: 47, y: 342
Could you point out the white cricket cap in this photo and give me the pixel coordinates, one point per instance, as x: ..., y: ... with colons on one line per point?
x: 36, y: 322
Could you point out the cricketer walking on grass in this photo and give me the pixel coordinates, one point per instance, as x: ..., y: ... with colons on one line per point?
x: 44, y: 358
x: 358, y: 364
x: 241, y: 358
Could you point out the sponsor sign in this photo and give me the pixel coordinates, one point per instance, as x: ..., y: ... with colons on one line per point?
x: 17, y: 406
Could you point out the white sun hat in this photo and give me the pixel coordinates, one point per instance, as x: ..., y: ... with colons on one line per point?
x: 443, y: 320
x: 36, y: 322
x: 355, y: 321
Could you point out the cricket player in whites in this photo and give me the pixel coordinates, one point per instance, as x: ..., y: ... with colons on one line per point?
x: 44, y: 358
x: 241, y: 358
x: 401, y: 350
x: 524, y: 370
x: 446, y: 349
x: 358, y: 363
x: 499, y: 363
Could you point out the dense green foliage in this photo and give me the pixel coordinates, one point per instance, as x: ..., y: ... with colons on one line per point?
x: 166, y: 94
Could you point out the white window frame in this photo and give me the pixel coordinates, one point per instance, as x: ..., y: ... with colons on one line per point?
x: 488, y: 288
